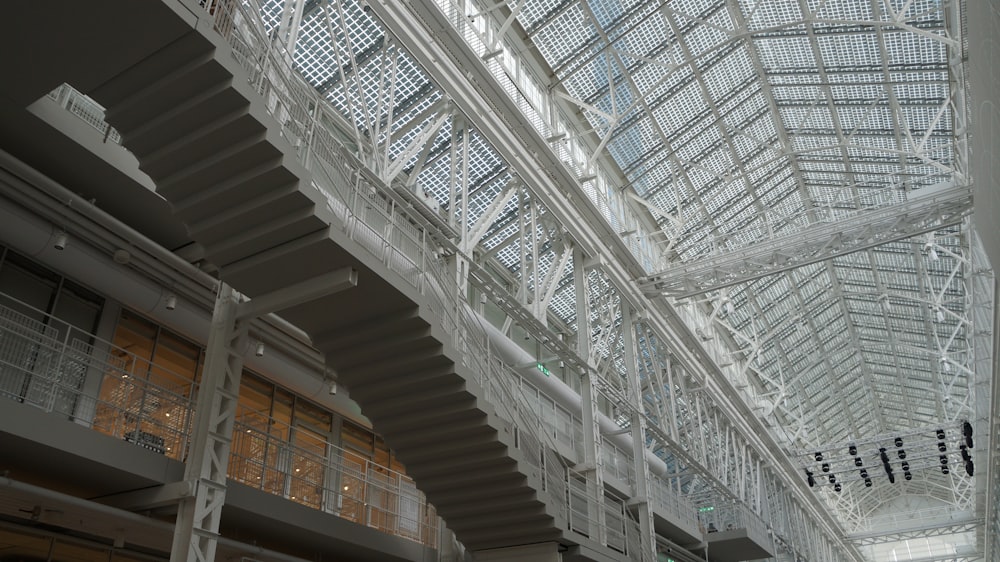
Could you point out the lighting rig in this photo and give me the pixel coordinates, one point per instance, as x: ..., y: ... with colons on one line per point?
x: 944, y: 448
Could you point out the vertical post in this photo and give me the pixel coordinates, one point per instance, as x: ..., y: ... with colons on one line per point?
x: 592, y: 460
x: 197, y: 525
x: 641, y: 493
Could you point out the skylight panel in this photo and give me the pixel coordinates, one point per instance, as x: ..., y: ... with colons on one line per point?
x: 727, y: 74
x: 536, y: 10
x: 841, y: 10
x: 702, y: 38
x: 771, y: 13
x: 562, y: 38
x: 787, y: 53
x: 848, y: 51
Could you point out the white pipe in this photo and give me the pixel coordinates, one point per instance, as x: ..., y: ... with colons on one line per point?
x: 561, y: 393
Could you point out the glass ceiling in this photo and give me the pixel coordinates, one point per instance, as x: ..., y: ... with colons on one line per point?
x: 712, y: 126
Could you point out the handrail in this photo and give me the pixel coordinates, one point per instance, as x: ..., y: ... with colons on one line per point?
x: 45, y: 362
x: 335, y: 482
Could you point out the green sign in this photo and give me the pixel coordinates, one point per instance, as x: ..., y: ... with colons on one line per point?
x: 543, y: 369
x: 705, y: 509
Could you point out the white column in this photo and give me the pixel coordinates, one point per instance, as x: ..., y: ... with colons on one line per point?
x: 197, y: 526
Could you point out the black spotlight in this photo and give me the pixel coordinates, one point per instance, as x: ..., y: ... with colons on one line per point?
x: 944, y: 460
x: 819, y: 457
x: 810, y: 479
x: 864, y: 473
x: 837, y: 487
x: 833, y: 479
x: 905, y: 466
x: 901, y: 453
x: 940, y: 435
x: 899, y: 441
x: 907, y: 475
x: 852, y: 450
x: 967, y: 432
x: 942, y: 447
x: 944, y: 469
x: 883, y: 455
x: 826, y: 467
x: 969, y: 468
x: 868, y: 482
x: 857, y: 461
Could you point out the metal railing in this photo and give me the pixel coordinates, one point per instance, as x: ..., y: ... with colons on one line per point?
x: 45, y: 363
x: 53, y: 366
x: 326, y: 477
x: 734, y: 516
x: 88, y: 110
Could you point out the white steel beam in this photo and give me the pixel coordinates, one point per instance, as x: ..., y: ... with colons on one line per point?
x: 299, y: 293
x: 196, y: 529
x: 928, y: 210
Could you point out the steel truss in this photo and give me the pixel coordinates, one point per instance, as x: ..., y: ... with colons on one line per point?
x: 940, y: 208
x: 543, y: 225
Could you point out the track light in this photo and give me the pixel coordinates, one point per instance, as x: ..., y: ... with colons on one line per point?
x: 826, y: 467
x: 810, y: 479
x: 837, y: 487
x: 833, y: 479
x: 868, y: 482
x: 864, y: 473
x: 857, y: 461
x: 819, y: 456
x: 901, y: 453
x: 171, y: 302
x: 932, y: 253
x: 898, y: 441
x: 61, y: 240
x: 940, y: 434
x: 908, y: 475
x: 942, y: 447
x: 939, y: 314
x: 259, y: 350
x: 852, y: 450
x: 944, y: 460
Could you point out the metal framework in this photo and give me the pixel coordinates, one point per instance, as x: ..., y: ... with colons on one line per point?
x: 792, y: 174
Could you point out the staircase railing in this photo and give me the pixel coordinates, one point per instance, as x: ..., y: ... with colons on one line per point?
x: 373, y: 216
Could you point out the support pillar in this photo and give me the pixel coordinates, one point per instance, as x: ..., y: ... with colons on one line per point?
x: 197, y: 526
x: 641, y: 492
x: 592, y: 458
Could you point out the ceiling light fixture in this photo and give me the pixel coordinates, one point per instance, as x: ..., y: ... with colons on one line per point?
x: 60, y: 240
